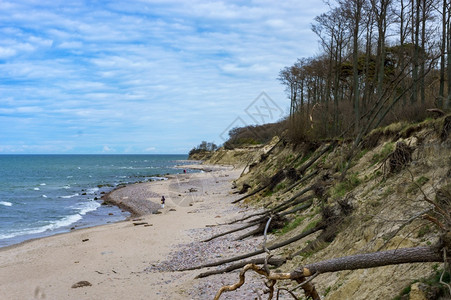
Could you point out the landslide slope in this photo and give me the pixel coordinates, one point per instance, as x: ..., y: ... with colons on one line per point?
x: 380, y: 194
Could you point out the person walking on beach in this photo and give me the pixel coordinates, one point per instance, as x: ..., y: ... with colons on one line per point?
x: 162, y: 201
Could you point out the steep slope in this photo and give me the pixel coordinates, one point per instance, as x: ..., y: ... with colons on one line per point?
x: 389, y: 186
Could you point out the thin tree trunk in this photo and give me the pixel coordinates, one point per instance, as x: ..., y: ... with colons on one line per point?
x: 441, y: 94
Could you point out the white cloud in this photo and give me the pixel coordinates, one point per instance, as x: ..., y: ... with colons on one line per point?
x: 6, y: 52
x: 107, y: 149
x: 170, y: 72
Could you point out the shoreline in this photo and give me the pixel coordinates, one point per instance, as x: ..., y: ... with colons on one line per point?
x: 115, y: 209
x: 125, y: 260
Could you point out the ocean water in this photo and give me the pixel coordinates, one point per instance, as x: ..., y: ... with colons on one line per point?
x: 42, y: 195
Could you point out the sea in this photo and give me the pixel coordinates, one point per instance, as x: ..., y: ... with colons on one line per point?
x: 43, y: 195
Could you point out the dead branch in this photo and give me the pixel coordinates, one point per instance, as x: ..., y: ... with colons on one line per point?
x: 307, y: 165
x: 303, y: 179
x: 273, y: 261
x: 302, y: 170
x: 232, y: 231
x: 302, y: 235
x: 251, y: 194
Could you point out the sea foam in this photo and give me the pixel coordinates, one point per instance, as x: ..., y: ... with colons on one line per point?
x: 70, y: 196
x: 5, y: 203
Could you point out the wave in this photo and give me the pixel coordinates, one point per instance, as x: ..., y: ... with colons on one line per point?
x: 87, y: 207
x: 5, y: 203
x: 43, y: 183
x: 36, y: 189
x: 70, y: 196
x: 92, y: 190
x: 83, y: 209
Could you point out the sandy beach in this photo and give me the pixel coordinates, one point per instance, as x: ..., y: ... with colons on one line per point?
x: 135, y: 259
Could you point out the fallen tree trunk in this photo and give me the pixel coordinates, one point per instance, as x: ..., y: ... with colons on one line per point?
x: 251, y: 194
x: 303, y: 179
x: 261, y: 220
x: 231, y: 231
x: 307, y: 165
x: 302, y: 170
x: 302, y: 235
x: 372, y: 260
x: 281, y: 207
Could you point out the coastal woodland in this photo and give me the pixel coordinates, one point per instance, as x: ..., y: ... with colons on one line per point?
x: 351, y: 192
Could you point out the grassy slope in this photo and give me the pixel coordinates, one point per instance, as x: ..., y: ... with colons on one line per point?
x: 381, y: 202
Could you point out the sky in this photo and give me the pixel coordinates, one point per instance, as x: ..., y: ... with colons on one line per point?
x: 144, y: 76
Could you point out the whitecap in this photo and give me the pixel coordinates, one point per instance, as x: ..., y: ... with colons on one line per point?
x: 87, y: 207
x: 5, y: 203
x: 92, y: 190
x: 70, y: 196
x: 63, y: 222
x: 44, y: 196
x: 43, y: 183
x: 36, y: 189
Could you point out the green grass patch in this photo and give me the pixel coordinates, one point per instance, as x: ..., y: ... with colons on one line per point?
x: 279, y: 187
x: 290, y: 226
x: 304, y: 159
x: 346, y: 185
x: 432, y: 281
x: 386, y: 150
x: 414, y: 187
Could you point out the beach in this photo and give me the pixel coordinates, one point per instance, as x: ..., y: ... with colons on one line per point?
x: 137, y: 258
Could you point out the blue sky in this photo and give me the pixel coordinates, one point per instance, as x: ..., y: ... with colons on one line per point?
x: 143, y: 76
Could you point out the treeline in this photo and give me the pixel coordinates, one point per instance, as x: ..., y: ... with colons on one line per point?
x: 203, y: 147
x: 253, y: 134
x: 382, y: 61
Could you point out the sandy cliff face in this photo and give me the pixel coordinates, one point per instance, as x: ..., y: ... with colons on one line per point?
x: 387, y: 202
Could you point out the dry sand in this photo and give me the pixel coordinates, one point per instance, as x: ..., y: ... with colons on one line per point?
x: 127, y: 261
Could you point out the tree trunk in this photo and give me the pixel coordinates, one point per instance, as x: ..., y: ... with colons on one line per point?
x: 415, y: 40
x: 441, y: 93
x: 355, y: 56
x: 448, y: 104
x: 372, y: 260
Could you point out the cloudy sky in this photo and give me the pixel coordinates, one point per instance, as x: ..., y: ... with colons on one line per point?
x: 143, y: 76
